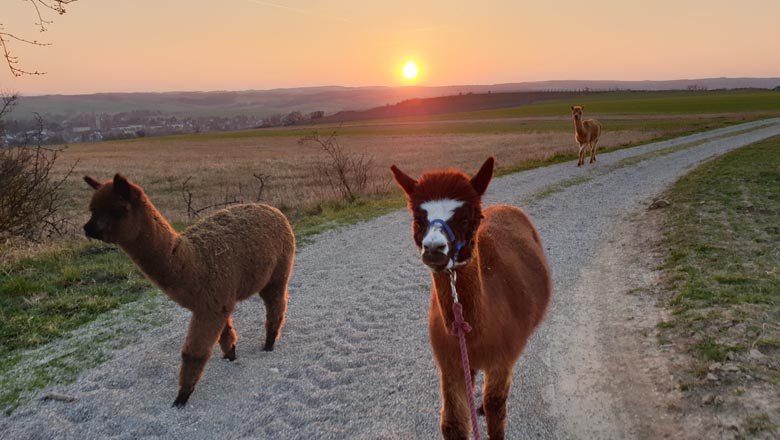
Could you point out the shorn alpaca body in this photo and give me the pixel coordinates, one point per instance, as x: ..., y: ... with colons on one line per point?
x: 586, y: 133
x: 208, y: 268
x: 503, y: 283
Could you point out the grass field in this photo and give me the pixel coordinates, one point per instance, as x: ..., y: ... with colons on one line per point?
x: 723, y: 241
x: 649, y: 103
x: 47, y: 291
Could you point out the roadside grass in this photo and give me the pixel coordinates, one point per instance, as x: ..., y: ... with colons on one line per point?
x: 47, y: 295
x: 60, y: 289
x: 723, y: 240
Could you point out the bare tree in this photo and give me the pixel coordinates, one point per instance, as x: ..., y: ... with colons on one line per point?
x: 292, y: 118
x: 40, y: 8
x: 348, y: 174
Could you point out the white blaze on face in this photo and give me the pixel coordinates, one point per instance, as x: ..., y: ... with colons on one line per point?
x: 442, y: 210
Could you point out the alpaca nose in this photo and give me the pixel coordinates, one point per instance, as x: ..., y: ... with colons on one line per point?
x: 435, y: 248
x: 90, y: 230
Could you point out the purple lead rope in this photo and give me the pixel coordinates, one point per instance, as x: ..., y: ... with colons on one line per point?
x: 460, y: 327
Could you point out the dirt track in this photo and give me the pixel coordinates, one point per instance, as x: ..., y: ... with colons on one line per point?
x: 354, y: 361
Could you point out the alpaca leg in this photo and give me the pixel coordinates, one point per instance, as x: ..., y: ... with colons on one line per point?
x: 455, y: 410
x: 227, y: 340
x: 275, y: 298
x: 495, y: 394
x: 581, y: 159
x: 203, y: 333
x: 593, y: 151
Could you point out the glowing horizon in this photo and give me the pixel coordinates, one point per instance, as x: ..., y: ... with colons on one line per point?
x: 253, y: 44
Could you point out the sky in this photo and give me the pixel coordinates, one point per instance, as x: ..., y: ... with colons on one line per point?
x: 153, y: 45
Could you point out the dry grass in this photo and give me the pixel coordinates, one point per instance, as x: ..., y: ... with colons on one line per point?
x: 223, y: 168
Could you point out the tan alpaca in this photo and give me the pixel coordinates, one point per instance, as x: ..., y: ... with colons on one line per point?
x: 208, y: 268
x: 586, y: 133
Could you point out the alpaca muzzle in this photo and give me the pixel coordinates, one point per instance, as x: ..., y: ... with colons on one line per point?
x: 437, y: 261
x: 91, y: 231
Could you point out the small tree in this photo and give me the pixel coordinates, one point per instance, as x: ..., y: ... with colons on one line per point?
x: 273, y: 120
x: 347, y: 174
x: 293, y: 118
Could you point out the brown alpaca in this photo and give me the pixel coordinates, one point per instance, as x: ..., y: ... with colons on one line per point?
x: 217, y: 262
x: 503, y: 283
x: 586, y: 133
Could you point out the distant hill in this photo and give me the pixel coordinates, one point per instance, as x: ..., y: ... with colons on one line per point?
x: 330, y: 99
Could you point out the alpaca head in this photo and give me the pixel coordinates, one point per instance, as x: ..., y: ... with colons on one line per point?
x: 576, y: 111
x: 447, y: 209
x: 116, y: 208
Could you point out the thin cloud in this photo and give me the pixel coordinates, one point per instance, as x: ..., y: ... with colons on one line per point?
x: 297, y: 10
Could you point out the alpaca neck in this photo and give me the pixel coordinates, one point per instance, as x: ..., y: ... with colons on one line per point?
x: 579, y: 127
x: 153, y: 249
x: 469, y: 287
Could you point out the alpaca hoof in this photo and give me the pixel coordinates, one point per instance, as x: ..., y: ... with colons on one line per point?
x: 231, y: 354
x: 181, y: 400
x: 481, y: 410
x: 268, y: 347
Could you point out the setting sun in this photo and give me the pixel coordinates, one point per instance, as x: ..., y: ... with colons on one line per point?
x: 410, y: 70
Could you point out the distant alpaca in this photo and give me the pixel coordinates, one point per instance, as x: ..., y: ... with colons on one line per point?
x: 586, y: 133
x: 208, y: 268
x: 503, y: 283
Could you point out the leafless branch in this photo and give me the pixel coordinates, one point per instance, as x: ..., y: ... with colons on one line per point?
x: 57, y: 6
x: 261, y: 179
x: 193, y: 212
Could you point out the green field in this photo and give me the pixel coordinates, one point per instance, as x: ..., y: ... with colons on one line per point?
x: 723, y: 240
x: 648, y: 103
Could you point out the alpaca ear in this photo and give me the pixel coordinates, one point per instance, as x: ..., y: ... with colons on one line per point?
x: 124, y: 188
x: 404, y: 181
x: 572, y: 108
x: 582, y: 107
x: 92, y: 182
x: 481, y: 180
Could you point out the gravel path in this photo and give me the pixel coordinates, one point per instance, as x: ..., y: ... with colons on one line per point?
x: 354, y: 361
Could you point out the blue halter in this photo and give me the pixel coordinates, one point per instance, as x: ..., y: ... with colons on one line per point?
x: 451, y: 235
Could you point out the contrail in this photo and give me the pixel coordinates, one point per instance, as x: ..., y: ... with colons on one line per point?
x: 296, y: 10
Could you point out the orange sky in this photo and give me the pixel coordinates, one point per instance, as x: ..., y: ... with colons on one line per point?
x: 155, y: 45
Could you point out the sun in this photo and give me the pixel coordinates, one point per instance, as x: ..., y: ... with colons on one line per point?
x: 410, y: 70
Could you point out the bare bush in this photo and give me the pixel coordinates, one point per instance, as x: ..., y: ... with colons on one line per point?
x: 31, y: 202
x: 347, y: 174
x: 229, y: 197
